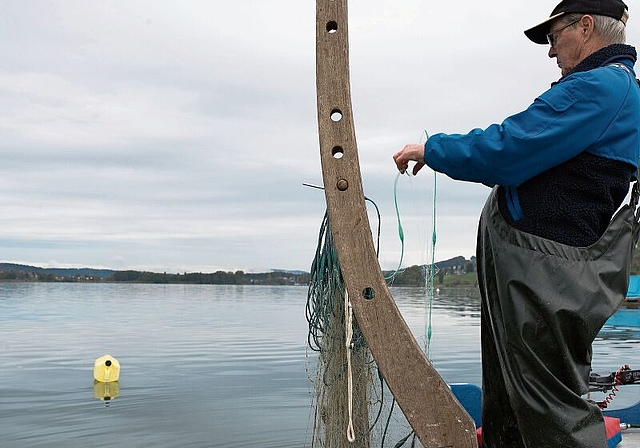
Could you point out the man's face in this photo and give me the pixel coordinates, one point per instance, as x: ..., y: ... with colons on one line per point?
x: 567, y: 45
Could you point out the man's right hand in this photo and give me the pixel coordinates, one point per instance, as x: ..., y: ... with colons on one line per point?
x: 412, y: 152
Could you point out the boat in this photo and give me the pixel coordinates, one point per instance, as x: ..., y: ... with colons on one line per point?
x: 625, y: 318
x: 616, y: 420
x: 631, y: 302
x: 470, y: 397
x: 633, y: 293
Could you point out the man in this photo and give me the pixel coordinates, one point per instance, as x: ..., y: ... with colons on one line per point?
x: 552, y: 263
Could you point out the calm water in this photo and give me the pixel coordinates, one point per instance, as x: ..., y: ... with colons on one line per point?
x: 202, y: 366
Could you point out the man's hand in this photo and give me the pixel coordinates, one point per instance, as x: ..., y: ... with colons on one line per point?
x: 410, y: 153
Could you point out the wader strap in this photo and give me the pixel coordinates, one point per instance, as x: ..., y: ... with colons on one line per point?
x: 635, y: 193
x: 633, y: 203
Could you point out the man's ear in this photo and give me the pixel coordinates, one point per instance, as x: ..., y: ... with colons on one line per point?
x: 587, y: 23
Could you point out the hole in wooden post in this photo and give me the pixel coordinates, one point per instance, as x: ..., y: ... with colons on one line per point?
x: 337, y: 152
x: 336, y: 115
x: 369, y: 293
x: 332, y: 26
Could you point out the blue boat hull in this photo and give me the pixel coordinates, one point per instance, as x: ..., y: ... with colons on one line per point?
x: 470, y: 397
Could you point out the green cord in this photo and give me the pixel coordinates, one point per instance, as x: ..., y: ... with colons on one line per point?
x: 430, y: 278
x: 432, y: 270
x: 400, y: 229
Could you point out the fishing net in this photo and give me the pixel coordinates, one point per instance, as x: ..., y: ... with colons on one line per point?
x: 328, y: 317
x: 350, y: 408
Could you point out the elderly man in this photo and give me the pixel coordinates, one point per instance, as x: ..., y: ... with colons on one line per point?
x: 552, y: 263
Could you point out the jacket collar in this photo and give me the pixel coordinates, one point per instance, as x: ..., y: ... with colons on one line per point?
x: 625, y: 54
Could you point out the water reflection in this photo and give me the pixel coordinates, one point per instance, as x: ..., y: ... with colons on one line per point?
x: 106, y: 391
x: 460, y: 302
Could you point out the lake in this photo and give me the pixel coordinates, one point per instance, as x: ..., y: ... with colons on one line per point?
x: 201, y: 365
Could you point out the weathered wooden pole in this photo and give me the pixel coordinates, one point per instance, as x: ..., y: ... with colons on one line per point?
x: 426, y: 400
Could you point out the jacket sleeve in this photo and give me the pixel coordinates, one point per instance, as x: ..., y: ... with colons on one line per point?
x: 562, y: 122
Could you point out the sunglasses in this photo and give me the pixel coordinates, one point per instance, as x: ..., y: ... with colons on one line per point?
x: 552, y: 36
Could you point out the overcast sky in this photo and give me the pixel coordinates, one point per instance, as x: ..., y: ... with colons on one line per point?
x: 175, y: 136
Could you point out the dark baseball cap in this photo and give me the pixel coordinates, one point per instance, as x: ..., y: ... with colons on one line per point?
x: 611, y: 8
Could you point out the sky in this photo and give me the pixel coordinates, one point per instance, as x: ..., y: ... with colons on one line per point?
x: 176, y: 136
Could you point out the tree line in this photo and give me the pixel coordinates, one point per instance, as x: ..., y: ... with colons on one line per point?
x: 454, y: 272
x: 215, y: 278
x: 412, y: 276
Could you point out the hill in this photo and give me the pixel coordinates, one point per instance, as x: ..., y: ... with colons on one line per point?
x: 413, y: 276
x: 25, y: 272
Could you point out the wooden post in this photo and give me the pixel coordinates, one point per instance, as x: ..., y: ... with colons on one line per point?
x: 426, y: 400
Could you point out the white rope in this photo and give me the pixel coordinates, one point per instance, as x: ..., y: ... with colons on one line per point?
x: 348, y: 318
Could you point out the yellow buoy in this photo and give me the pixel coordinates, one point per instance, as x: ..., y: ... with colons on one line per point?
x: 106, y: 369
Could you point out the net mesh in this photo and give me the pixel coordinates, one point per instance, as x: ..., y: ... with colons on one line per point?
x: 375, y: 418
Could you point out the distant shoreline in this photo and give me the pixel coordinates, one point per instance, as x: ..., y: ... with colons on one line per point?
x: 456, y: 272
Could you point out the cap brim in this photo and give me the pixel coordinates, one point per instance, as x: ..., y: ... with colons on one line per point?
x: 538, y: 33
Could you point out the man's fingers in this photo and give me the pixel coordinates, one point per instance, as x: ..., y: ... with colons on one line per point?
x: 401, y: 164
x: 410, y: 153
x: 418, y: 166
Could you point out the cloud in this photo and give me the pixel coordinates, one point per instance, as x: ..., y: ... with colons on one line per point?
x: 176, y: 136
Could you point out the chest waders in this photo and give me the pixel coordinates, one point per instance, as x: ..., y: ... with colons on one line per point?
x: 543, y: 303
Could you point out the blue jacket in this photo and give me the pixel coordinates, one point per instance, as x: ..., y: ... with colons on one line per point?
x: 545, y: 158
